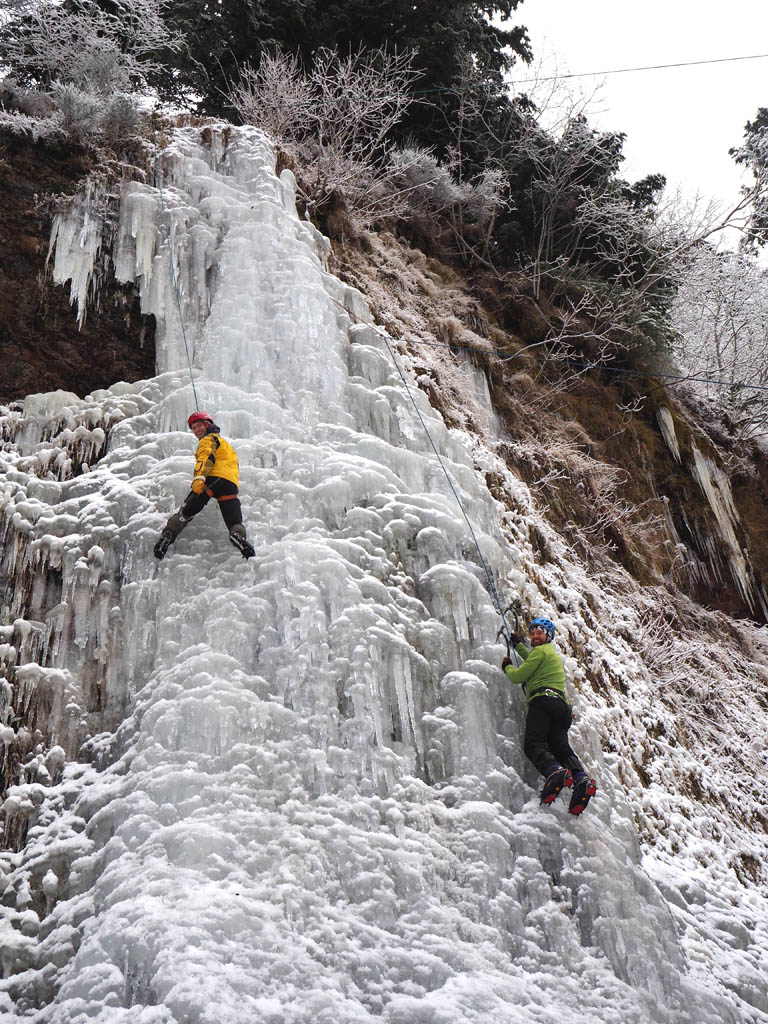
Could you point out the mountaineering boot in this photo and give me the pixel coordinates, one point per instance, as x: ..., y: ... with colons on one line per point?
x: 161, y: 547
x: 560, y: 779
x: 238, y: 538
x: 170, y: 532
x: 583, y: 791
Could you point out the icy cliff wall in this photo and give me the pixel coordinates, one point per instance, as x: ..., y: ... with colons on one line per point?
x: 292, y: 788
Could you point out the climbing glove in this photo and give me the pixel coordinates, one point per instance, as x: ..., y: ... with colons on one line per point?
x: 505, y: 662
x: 198, y: 484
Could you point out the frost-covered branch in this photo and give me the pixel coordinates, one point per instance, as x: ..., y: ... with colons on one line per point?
x: 721, y: 318
x: 335, y: 118
x: 85, y: 64
x: 83, y: 44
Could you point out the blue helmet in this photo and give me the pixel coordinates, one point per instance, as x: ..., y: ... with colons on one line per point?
x: 547, y: 625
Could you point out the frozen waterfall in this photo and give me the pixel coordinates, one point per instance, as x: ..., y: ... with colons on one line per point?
x: 292, y: 789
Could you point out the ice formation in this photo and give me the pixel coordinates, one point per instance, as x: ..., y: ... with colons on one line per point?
x: 666, y: 423
x: 293, y: 789
x: 723, y: 552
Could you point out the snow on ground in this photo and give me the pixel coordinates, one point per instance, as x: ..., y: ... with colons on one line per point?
x: 293, y: 789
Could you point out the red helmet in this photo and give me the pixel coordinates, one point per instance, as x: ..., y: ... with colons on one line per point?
x: 199, y: 417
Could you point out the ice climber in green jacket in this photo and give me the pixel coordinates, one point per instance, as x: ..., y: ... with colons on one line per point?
x: 549, y: 717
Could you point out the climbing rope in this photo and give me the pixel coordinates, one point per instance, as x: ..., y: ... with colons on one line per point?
x: 159, y: 187
x: 491, y: 585
x: 674, y: 378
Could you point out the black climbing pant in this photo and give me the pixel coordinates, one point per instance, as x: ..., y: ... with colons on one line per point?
x: 546, y: 735
x: 224, y: 491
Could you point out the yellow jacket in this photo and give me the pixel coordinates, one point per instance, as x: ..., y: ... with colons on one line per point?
x: 214, y: 457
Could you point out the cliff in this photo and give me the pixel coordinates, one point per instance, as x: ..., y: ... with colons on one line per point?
x: 44, y: 348
x: 296, y: 788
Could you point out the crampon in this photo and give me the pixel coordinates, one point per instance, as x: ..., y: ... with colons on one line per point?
x: 161, y: 547
x: 243, y: 546
x: 558, y: 780
x: 582, y: 793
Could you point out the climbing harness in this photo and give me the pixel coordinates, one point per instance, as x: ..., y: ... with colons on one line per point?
x: 159, y: 187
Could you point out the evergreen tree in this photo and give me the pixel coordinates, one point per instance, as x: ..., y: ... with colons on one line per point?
x: 449, y: 37
x: 223, y: 38
x: 220, y: 40
x: 753, y: 154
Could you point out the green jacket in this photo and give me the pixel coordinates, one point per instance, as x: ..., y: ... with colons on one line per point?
x: 542, y: 669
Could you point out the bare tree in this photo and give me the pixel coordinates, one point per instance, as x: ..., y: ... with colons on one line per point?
x: 721, y: 317
x: 335, y: 118
x: 85, y: 63
x: 83, y: 44
x: 611, y: 269
x: 431, y: 190
x: 555, y: 105
x: 277, y: 97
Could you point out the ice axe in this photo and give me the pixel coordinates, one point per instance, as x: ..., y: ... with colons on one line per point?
x: 505, y: 632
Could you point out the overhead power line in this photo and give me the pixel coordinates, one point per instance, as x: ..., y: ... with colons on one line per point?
x: 645, y: 67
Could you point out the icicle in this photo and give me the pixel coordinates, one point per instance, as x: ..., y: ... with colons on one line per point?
x: 76, y: 241
x: 667, y: 427
x: 717, y: 489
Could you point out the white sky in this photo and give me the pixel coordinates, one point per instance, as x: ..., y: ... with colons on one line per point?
x: 679, y: 121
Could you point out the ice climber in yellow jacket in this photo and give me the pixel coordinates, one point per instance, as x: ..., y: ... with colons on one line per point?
x: 549, y: 717
x: 216, y: 476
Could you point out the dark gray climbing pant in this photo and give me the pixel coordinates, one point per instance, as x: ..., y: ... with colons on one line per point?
x: 225, y: 493
x: 546, y: 736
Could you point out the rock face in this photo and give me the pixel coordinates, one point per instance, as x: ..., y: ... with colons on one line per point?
x: 41, y: 345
